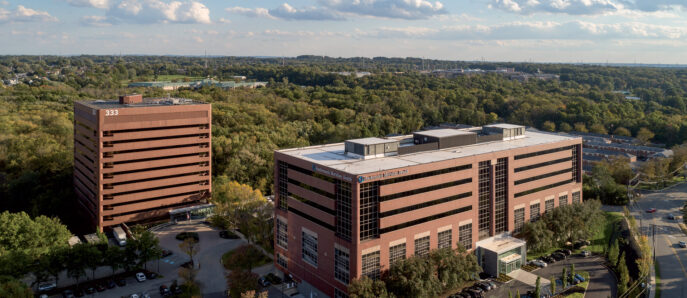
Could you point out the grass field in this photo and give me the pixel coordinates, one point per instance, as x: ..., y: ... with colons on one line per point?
x: 657, y: 287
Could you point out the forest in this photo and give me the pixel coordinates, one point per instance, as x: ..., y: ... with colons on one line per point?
x: 306, y: 103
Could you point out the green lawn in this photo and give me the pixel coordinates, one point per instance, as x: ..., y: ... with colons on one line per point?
x: 599, y: 239
x: 657, y: 287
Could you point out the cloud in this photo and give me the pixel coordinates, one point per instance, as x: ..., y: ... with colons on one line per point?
x: 572, y: 7
x: 250, y: 12
x: 95, y: 21
x: 90, y: 3
x: 287, y: 12
x: 156, y: 11
x: 654, y: 5
x: 574, y: 30
x: 24, y: 15
x: 393, y: 9
x: 224, y: 21
x: 341, y: 9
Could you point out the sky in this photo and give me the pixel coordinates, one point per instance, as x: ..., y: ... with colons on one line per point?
x: 567, y: 31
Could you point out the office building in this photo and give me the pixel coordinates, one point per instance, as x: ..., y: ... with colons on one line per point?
x: 352, y: 209
x: 136, y: 159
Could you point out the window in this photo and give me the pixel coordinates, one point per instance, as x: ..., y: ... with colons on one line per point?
x: 282, y: 234
x: 547, y: 175
x: 576, y: 163
x: 484, y: 218
x: 282, y: 261
x: 563, y: 200
x: 369, y: 211
x: 444, y: 239
x: 339, y: 293
x: 397, y: 253
x: 426, y: 219
x: 343, y: 210
x: 341, y: 266
x: 465, y: 236
x: 426, y: 174
x: 538, y: 189
x: 422, y: 246
x: 549, y: 205
x: 501, y: 195
x: 543, y: 164
x: 533, y: 154
x: 426, y: 189
x: 282, y: 185
x: 576, y: 197
x: 534, y: 212
x: 519, y: 217
x: 426, y: 204
x: 309, y: 247
x: 371, y: 267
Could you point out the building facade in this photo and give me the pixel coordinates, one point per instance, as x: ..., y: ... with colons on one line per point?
x: 352, y: 209
x: 136, y: 159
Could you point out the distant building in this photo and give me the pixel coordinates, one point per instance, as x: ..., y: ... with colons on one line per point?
x: 136, y: 159
x: 166, y: 85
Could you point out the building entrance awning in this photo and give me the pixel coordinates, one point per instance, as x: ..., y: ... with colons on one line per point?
x: 510, y: 258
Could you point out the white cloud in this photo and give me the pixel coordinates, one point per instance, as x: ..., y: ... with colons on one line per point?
x: 654, y: 5
x: 5, y: 3
x: 24, y: 14
x: 287, y: 12
x: 90, y: 3
x: 156, y: 11
x: 250, y: 12
x: 224, y: 21
x: 572, y: 7
x: 341, y: 9
x: 95, y: 21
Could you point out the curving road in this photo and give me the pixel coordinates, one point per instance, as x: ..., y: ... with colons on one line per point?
x: 671, y: 258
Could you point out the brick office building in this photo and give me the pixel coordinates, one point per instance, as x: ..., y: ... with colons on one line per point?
x: 136, y: 159
x: 351, y: 209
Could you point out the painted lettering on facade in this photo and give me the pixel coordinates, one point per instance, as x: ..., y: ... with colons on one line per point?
x: 317, y: 169
x: 385, y: 175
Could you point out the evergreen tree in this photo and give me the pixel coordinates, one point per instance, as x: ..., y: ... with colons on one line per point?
x: 537, y: 288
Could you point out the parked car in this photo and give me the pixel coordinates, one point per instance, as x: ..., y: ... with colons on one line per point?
x: 579, y: 277
x: 263, y: 281
x: 227, y: 235
x: 651, y: 210
x: 140, y: 277
x: 78, y: 292
x: 134, y: 296
x: 491, y: 283
x: 476, y: 293
x: 166, y: 253
x: 111, y: 284
x: 90, y: 290
x: 186, y: 265
x: 566, y: 252
x: 558, y: 256
x: 682, y: 244
x: 48, y: 286
x: 548, y: 259
x: 121, y: 282
x: 671, y: 216
x: 538, y: 263
x: 483, y: 286
x: 273, y: 279
x: 585, y: 253
x: 164, y: 291
x: 99, y: 287
x: 151, y: 275
x: 68, y: 294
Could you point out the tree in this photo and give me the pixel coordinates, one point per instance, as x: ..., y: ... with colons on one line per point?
x: 241, y: 281
x: 572, y: 271
x: 34, y: 237
x: 147, y: 246
x: 553, y: 285
x: 365, y: 287
x: 564, y: 278
x: 510, y: 294
x: 76, y: 262
x: 56, y: 261
x: 613, y: 252
x: 39, y: 269
x: 565, y: 127
x: 190, y: 288
x: 189, y: 247
x: 644, y: 135
x: 114, y: 258
x: 92, y: 258
x: 598, y: 128
x: 538, y: 236
x: 414, y: 277
x: 622, y: 131
x: 549, y: 126
x: 624, y: 275
x: 537, y: 288
x: 517, y: 293
x: 579, y: 126
x: 10, y: 287
x: 241, y: 207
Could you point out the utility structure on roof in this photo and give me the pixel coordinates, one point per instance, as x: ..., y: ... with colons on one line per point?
x: 136, y: 159
x: 352, y: 209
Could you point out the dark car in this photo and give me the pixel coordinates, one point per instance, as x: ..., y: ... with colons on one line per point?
x: 78, y: 292
x: 228, y: 235
x: 476, y: 293
x: 263, y: 281
x: 186, y: 265
x: 482, y: 286
x: 273, y: 279
x: 68, y: 294
x: 90, y: 290
x: 164, y: 291
x: 558, y: 256
x: 566, y: 252
x: 548, y: 259
x: 151, y: 275
x: 121, y: 282
x: 100, y: 287
x: 166, y: 253
x: 111, y: 284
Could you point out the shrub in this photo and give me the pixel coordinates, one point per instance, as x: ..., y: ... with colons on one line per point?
x: 244, y: 257
x: 185, y: 235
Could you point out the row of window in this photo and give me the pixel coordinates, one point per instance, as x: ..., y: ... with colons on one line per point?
x: 539, y: 177
x: 533, y: 154
x: 542, y: 164
x: 426, y: 204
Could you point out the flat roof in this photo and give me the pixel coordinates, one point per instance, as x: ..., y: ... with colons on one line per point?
x: 372, y: 141
x: 504, y: 125
x: 444, y: 132
x: 147, y: 102
x: 332, y: 155
x: 500, y: 243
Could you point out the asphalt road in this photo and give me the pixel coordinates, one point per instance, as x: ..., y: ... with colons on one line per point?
x: 671, y: 258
